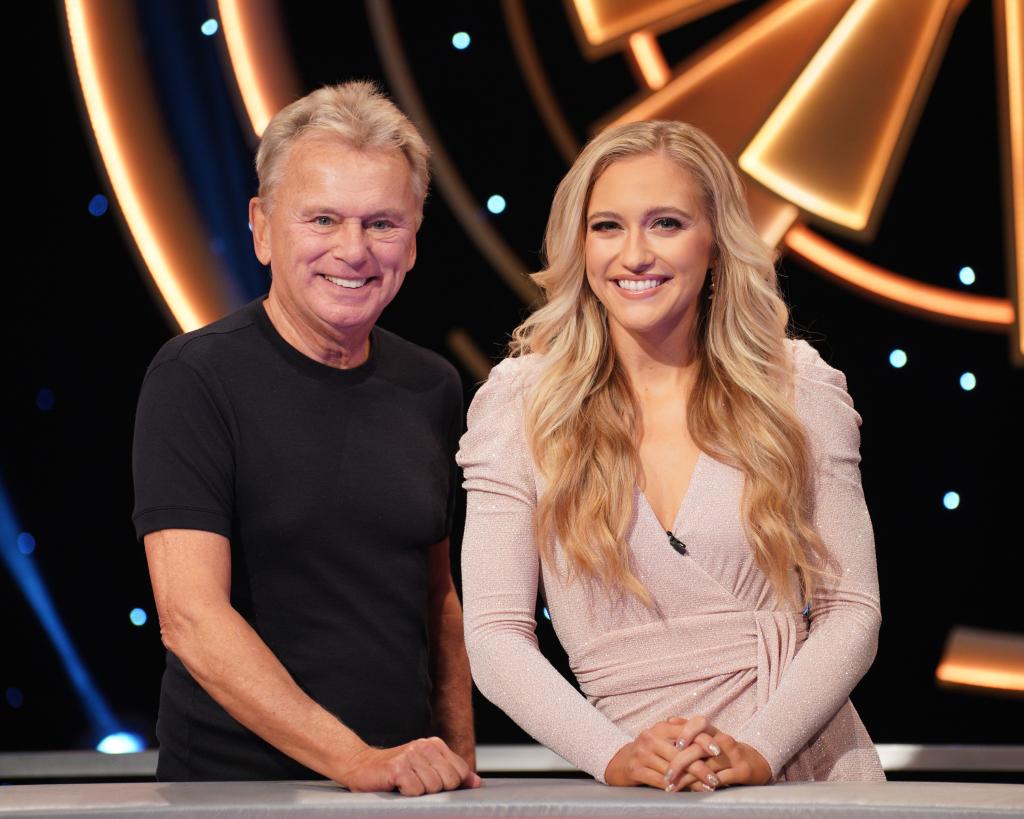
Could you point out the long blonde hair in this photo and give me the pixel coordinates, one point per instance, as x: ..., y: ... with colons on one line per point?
x: 582, y: 416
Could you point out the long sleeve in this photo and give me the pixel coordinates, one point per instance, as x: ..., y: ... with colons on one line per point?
x: 500, y: 569
x: 845, y: 614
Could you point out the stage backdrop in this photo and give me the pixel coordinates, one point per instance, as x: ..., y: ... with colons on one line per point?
x: 875, y: 140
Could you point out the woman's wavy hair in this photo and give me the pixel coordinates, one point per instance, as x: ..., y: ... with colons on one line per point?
x: 582, y: 416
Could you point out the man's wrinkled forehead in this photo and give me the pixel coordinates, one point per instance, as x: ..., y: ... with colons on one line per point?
x: 317, y: 143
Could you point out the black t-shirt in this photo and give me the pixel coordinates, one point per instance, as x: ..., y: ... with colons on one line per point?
x: 331, y: 486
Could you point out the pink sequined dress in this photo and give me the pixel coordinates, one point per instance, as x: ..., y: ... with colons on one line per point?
x: 719, y: 643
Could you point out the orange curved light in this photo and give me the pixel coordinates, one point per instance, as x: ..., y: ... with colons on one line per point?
x: 244, y: 65
x: 987, y: 311
x: 265, y: 80
x: 1010, y: 47
x: 149, y: 192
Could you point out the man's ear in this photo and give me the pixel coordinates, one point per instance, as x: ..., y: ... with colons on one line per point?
x: 260, y: 229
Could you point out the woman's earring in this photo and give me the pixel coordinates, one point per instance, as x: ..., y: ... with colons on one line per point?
x: 711, y: 284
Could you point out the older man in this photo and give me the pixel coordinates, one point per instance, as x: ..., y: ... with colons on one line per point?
x: 294, y: 487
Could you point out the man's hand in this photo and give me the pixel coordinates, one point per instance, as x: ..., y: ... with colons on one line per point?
x: 418, y: 767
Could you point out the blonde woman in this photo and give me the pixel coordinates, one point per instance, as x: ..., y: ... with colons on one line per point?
x: 680, y: 481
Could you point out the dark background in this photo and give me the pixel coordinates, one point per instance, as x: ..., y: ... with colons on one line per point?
x: 83, y: 322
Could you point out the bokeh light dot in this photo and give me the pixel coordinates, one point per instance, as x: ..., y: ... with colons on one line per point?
x: 138, y: 617
x: 98, y: 205
x: 968, y: 382
x: 496, y: 204
x: 967, y: 275
x: 210, y: 27
x: 460, y: 40
x: 121, y: 743
x: 898, y: 358
x: 15, y: 698
x: 45, y: 399
x: 951, y: 500
x: 26, y: 543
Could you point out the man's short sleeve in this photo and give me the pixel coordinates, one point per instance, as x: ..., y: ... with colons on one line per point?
x: 182, y: 455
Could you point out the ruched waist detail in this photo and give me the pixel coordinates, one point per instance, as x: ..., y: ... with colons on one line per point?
x: 691, y: 649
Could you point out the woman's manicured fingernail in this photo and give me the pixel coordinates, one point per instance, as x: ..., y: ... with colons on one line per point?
x: 671, y: 786
x: 714, y: 748
x: 669, y: 776
x: 713, y: 780
x: 706, y: 787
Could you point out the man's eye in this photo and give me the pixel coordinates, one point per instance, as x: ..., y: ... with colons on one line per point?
x: 601, y: 227
x: 667, y: 223
x: 381, y: 224
x: 323, y: 221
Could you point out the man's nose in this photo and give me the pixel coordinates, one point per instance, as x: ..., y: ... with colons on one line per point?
x: 350, y: 244
x: 637, y: 255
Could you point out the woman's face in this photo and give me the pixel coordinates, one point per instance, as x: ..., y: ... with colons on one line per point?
x: 648, y: 247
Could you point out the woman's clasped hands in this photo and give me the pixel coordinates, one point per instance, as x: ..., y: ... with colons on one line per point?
x: 686, y: 754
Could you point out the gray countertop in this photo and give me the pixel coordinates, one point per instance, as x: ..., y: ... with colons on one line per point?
x: 513, y: 798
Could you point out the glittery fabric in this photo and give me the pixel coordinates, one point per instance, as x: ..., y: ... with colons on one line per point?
x: 719, y: 642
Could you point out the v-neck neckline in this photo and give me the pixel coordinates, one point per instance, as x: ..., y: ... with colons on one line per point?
x: 683, y: 501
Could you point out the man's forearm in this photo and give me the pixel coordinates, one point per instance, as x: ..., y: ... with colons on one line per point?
x: 452, y: 696
x: 232, y: 663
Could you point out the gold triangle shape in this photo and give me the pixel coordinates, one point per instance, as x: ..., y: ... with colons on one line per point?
x: 834, y: 143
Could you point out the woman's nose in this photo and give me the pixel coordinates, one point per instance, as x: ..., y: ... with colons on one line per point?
x: 637, y: 255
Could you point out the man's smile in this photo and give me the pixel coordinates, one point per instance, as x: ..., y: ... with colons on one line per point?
x: 351, y: 284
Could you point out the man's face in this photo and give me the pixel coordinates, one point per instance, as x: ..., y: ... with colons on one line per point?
x: 340, y: 234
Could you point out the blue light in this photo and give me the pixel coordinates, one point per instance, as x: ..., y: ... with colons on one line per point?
x: 547, y: 614
x: 121, y: 743
x: 28, y: 579
x: 15, y: 698
x: 967, y: 275
x: 98, y: 205
x: 460, y: 40
x: 898, y: 358
x: 45, y: 399
x: 968, y: 382
x: 138, y: 617
x: 951, y: 500
x: 26, y: 543
x: 209, y: 28
x: 496, y: 204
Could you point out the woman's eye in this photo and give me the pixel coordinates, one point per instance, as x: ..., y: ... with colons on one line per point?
x: 667, y: 223
x: 600, y: 227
